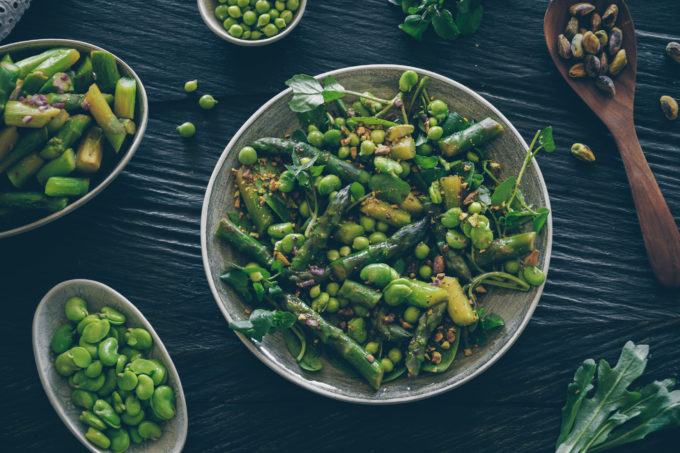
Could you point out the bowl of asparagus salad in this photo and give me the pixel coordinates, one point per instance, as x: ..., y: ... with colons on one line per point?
x: 73, y: 115
x: 377, y: 234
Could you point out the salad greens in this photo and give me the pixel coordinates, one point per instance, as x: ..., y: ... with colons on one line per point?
x: 449, y: 19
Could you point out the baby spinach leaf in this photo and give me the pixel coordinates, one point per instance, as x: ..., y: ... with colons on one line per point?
x: 444, y: 25
x: 390, y: 188
x: 262, y: 322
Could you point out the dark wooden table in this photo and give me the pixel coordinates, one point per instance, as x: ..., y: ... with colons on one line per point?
x: 141, y: 236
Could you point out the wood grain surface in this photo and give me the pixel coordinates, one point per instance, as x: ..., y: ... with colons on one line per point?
x: 141, y: 235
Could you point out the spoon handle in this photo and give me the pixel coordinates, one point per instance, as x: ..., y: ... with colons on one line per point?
x: 659, y: 231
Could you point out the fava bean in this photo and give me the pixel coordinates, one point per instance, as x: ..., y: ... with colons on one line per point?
x: 132, y: 405
x: 149, y: 430
x: 83, y: 382
x: 94, y: 369
x: 117, y: 402
x: 130, y: 353
x: 103, y: 410
x: 133, y: 420
x: 83, y: 398
x: 160, y: 374
x: 121, y: 361
x: 85, y: 321
x: 533, y: 275
x: 142, y: 366
x: 396, y: 294
x: 120, y: 440
x: 91, y: 348
x: 134, y: 435
x: 76, y: 309
x: 163, y: 402
x: 97, y: 438
x: 127, y: 380
x: 109, y: 383
x: 62, y: 339
x: 92, y: 420
x: 377, y: 236
x: 114, y: 317
x: 108, y: 351
x: 456, y: 240
x: 138, y: 338
x: 378, y: 274
x: 96, y: 331
x: 144, y: 388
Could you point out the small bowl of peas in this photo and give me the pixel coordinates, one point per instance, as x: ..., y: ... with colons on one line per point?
x: 252, y: 22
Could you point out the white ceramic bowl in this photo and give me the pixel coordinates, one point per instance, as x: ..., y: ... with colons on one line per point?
x: 49, y: 316
x: 124, y: 155
x: 207, y: 10
x: 275, y: 119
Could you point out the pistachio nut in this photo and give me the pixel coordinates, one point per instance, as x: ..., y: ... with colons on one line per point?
x: 582, y: 152
x: 572, y: 28
x: 615, y: 41
x: 669, y: 106
x: 603, y: 37
x: 606, y: 85
x: 673, y: 51
x: 563, y: 47
x: 591, y: 43
x: 592, y: 66
x: 595, y: 22
x: 604, y: 63
x: 577, y: 46
x: 578, y: 71
x: 581, y: 9
x: 609, y: 16
x: 618, y: 63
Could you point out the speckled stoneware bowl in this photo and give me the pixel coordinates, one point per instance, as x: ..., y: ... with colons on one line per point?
x: 49, y: 316
x: 207, y: 10
x: 24, y: 48
x: 275, y: 119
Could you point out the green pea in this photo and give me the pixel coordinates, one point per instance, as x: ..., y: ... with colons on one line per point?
x: 133, y: 420
x: 315, y: 291
x: 360, y: 243
x: 132, y: 405
x: 328, y: 184
x: 76, y: 309
x: 121, y: 361
x: 332, y: 289
x: 92, y: 420
x: 343, y: 152
x: 356, y: 329
x: 378, y: 136
x: 425, y: 272
x: 354, y: 139
x: 287, y: 16
x: 97, y: 438
x: 139, y: 338
x: 103, y: 410
x: 62, y: 339
x: 228, y: 22
x: 456, y: 240
x: 367, y: 222
x: 274, y: 13
x: 249, y: 18
x: 372, y: 347
x: 192, y: 85
x: 303, y: 209
x: 332, y: 137
x: 433, y: 121
x: 160, y: 374
x: 332, y: 255
x: 149, y: 430
x: 377, y: 236
x: 451, y: 218
x: 163, y: 402
x: 94, y: 369
x: 357, y: 190
x: 422, y: 250
x: 475, y: 207
x: 411, y: 315
x: 280, y: 5
x: 262, y: 6
x: 134, y: 435
x: 512, y: 266
x: 367, y: 148
x: 117, y: 402
x: 186, y: 129
x: 96, y: 331
x: 315, y: 138
x: 130, y: 353
x: 435, y: 133
x: 290, y: 241
x: 387, y: 364
x: 342, y: 302
x: 270, y: 30
x: 221, y: 12
x: 395, y: 355
x: 207, y: 102
x: 255, y: 34
x: 85, y: 322
x: 333, y: 305
x: 533, y: 275
x: 120, y: 440
x: 407, y: 81
x: 395, y: 294
x: 247, y: 155
x: 292, y: 4
x: 234, y: 11
x: 242, y: 3
x: 83, y: 398
x: 144, y: 388
x: 360, y: 311
x: 286, y: 182
x: 382, y: 227
x: 236, y: 31
x: 345, y: 250
x: 127, y: 380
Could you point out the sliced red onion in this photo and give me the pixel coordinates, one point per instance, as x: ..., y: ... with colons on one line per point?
x: 85, y: 105
x: 58, y: 105
x: 306, y: 283
x: 316, y: 271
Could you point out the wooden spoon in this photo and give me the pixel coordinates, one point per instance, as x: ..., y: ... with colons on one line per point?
x: 659, y: 231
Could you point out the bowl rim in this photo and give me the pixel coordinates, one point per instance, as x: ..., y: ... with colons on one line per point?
x: 122, y: 163
x: 307, y: 384
x: 57, y: 403
x: 216, y: 27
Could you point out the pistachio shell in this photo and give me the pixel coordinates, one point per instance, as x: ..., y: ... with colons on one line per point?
x: 673, y: 51
x: 577, y: 46
x: 572, y: 28
x: 604, y: 63
x: 603, y: 37
x: 581, y: 9
x: 606, y: 85
x: 669, y: 107
x: 618, y: 63
x: 591, y: 43
x: 609, y: 16
x: 592, y: 66
x: 615, y: 41
x: 582, y: 152
x: 563, y: 47
x: 595, y: 22
x: 578, y: 71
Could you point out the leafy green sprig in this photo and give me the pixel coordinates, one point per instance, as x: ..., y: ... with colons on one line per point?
x: 308, y: 93
x: 448, y: 23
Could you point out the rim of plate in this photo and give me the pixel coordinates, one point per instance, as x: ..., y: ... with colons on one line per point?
x: 122, y: 163
x: 282, y: 370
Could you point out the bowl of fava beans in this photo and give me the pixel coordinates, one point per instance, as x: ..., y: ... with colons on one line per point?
x: 252, y: 22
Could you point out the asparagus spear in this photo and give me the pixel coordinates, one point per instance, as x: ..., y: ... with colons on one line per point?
x: 454, y: 123
x: 369, y: 368
x: 321, y: 231
x: 64, y: 186
x: 344, y: 170
x: 21, y: 172
x: 61, y: 166
x: 90, y: 151
x: 103, y: 115
x: 28, y: 64
x: 124, y: 99
x: 259, y: 212
x: 402, y: 241
x: 244, y: 242
x: 57, y: 122
x: 476, y: 135
x: 32, y: 83
x: 25, y: 115
x: 391, y: 331
x: 8, y: 138
x: 129, y: 126
x: 504, y: 249
x: 32, y: 200
x: 427, y: 323
x: 72, y: 103
x: 59, y: 61
x: 381, y: 210
x: 84, y: 76
x: 105, y: 69
x: 451, y: 186
x: 69, y: 133
x: 26, y: 145
x: 58, y: 83
x: 9, y: 73
x: 359, y: 294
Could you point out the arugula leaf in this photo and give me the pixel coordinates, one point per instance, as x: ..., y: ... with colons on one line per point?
x: 415, y: 26
x: 576, y: 393
x: 390, y: 188
x: 444, y: 25
x: 262, y: 322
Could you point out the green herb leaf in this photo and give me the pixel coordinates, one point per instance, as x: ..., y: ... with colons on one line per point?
x: 469, y: 22
x: 444, y: 25
x: 390, y: 188
x: 277, y: 205
x: 239, y: 280
x: 295, y: 342
x: 426, y: 162
x: 262, y: 322
x: 492, y: 321
x: 317, y: 116
x: 415, y: 26
x: 503, y: 192
x: 545, y: 138
x: 299, y: 135
x: 540, y: 218
x: 307, y: 93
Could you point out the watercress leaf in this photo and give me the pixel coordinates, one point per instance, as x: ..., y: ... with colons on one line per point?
x: 317, y: 116
x: 298, y: 136
x: 503, y: 192
x: 332, y: 90
x: 444, y: 25
x: 307, y: 93
x: 239, y: 280
x: 545, y: 138
x: 491, y: 321
x: 316, y: 170
x: 262, y: 322
x: 390, y: 188
x: 415, y: 25
x: 540, y: 218
x: 469, y: 22
x: 514, y: 220
x: 425, y: 162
